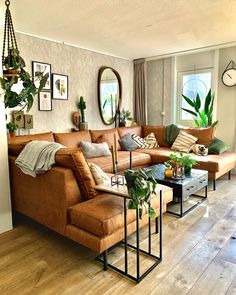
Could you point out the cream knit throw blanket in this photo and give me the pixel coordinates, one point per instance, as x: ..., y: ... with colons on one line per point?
x: 37, y: 157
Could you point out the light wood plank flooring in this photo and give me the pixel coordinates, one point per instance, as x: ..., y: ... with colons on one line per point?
x: 199, y: 256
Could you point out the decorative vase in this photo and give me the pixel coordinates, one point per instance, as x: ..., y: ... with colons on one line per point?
x: 122, y: 124
x: 83, y: 126
x: 178, y: 171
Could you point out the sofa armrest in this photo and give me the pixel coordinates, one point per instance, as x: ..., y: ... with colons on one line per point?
x: 45, y: 197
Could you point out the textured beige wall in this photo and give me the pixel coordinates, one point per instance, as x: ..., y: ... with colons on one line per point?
x: 226, y: 102
x: 82, y: 67
x: 159, y: 91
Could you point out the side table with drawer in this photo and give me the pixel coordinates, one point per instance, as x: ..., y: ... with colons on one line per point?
x: 184, y: 190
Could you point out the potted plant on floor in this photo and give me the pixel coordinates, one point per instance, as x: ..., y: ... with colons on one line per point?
x: 124, y: 116
x: 82, y: 106
x: 140, y: 187
x: 12, y: 127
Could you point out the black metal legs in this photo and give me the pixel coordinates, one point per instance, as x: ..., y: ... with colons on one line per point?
x: 229, y: 175
x: 138, y: 250
x: 105, y: 267
x: 214, y: 184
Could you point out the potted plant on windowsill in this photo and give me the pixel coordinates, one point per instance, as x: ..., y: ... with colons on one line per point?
x: 140, y: 187
x: 12, y: 127
x: 124, y: 116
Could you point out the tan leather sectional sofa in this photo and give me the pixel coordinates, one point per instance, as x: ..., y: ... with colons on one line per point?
x: 64, y: 198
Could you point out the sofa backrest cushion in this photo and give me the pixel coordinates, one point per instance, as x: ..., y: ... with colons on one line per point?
x: 74, y: 159
x: 72, y: 139
x: 48, y: 136
x: 158, y: 132
x: 99, y: 136
x: 204, y: 135
x: 137, y: 130
x: 16, y: 149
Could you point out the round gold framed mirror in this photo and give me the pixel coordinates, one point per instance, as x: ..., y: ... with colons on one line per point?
x: 109, y: 94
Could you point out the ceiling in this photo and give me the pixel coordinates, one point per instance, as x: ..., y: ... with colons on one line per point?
x: 128, y: 28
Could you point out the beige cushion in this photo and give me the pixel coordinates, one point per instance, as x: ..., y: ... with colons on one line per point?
x: 151, y: 140
x: 99, y: 175
x: 91, y: 150
x: 184, y: 142
x: 141, y: 142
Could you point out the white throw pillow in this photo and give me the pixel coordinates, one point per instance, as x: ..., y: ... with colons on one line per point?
x: 99, y: 175
x: 184, y: 142
x: 141, y: 142
x: 151, y: 140
x: 93, y: 150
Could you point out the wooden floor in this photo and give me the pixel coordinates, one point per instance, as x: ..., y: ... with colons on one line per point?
x: 199, y: 257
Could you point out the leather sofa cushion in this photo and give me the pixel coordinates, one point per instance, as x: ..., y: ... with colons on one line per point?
x: 137, y: 130
x: 211, y: 163
x: 103, y: 215
x: 204, y: 135
x: 48, y: 136
x: 158, y: 132
x: 99, y: 136
x: 72, y: 139
x: 16, y: 149
x: 74, y: 159
x: 105, y: 163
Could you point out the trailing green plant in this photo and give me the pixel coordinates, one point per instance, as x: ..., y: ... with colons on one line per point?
x: 140, y: 187
x: 11, y: 126
x: 82, y: 106
x: 25, y: 97
x: 202, y: 115
x: 125, y: 116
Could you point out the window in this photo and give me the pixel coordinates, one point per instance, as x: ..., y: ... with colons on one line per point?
x: 190, y: 84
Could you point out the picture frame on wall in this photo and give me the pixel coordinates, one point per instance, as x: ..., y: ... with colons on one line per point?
x: 45, y: 101
x: 59, y: 86
x: 39, y: 69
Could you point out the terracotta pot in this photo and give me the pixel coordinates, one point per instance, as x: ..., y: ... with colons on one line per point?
x: 12, y: 134
x: 9, y: 74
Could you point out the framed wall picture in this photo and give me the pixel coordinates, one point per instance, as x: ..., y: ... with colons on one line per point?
x: 18, y: 118
x: 28, y: 121
x: 39, y: 69
x: 59, y: 86
x: 45, y: 101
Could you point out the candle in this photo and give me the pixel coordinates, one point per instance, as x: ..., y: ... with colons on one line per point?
x: 113, y: 159
x: 115, y: 148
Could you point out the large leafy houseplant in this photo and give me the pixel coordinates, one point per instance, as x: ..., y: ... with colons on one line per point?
x: 13, y: 69
x: 202, y: 115
x: 140, y: 187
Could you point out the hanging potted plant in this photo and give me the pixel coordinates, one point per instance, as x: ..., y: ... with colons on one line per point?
x: 82, y: 106
x: 140, y: 187
x: 12, y: 127
x: 13, y: 71
x: 124, y: 116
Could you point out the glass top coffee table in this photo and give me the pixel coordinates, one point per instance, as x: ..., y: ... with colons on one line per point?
x: 184, y: 190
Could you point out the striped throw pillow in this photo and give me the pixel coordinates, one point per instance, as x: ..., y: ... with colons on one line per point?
x: 151, y: 140
x: 141, y: 142
x: 99, y: 175
x: 184, y: 142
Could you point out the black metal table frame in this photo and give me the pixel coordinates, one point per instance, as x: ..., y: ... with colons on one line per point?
x: 158, y: 259
x: 183, y: 213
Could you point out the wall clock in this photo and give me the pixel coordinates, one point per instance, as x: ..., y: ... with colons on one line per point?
x: 229, y: 75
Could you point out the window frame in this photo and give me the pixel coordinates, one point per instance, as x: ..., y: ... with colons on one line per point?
x: 180, y: 75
